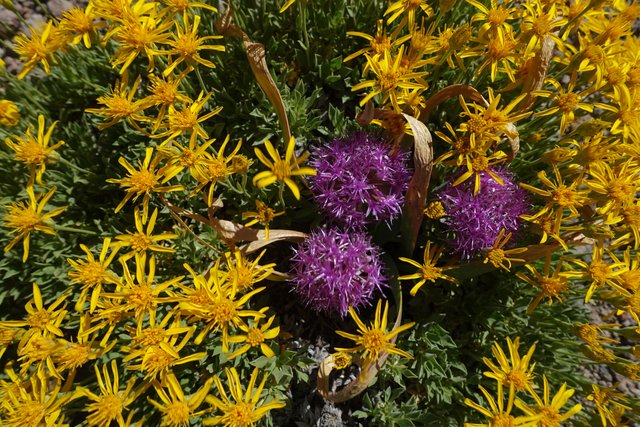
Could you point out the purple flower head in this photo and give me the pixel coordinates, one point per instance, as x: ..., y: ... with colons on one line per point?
x: 335, y: 269
x: 477, y: 220
x: 358, y: 180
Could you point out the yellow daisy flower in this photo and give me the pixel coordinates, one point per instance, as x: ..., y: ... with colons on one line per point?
x: 177, y: 409
x: 515, y: 373
x: 263, y: 215
x: 187, y: 45
x: 427, y: 272
x: 240, y: 408
x: 23, y: 218
x: 34, y: 152
x: 374, y: 339
x: 143, y: 239
x: 112, y: 403
x: 144, y: 181
x: 499, y: 257
x: 255, y: 336
x: 548, y: 409
x: 92, y: 274
x: 281, y: 170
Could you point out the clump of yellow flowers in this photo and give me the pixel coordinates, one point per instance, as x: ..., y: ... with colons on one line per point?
x: 549, y: 88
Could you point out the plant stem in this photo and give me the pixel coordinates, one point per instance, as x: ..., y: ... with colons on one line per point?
x: 74, y: 230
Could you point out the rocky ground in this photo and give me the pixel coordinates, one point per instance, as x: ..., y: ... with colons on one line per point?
x: 34, y: 15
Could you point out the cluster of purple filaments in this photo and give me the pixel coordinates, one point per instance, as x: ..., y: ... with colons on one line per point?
x: 359, y: 181
x: 334, y: 269
x: 476, y: 221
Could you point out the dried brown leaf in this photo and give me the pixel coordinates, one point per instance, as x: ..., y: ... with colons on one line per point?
x: 419, y: 184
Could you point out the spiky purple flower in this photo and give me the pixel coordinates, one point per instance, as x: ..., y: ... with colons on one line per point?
x: 476, y: 221
x: 334, y: 269
x: 358, y: 180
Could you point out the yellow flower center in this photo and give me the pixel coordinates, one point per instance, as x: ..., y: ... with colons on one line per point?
x: 496, y: 257
x: 108, y: 407
x: 594, y: 152
x: 542, y: 25
x: 479, y: 163
x: 502, y: 420
x: 281, y: 170
x: 156, y: 360
x: 388, y: 80
x: 551, y: 286
x: 380, y: 44
x: 39, y: 349
x: 183, y: 120
x: 240, y: 415
x: 177, y: 414
x: 119, y: 106
x: 32, y: 153
x: 633, y: 303
x: 255, y: 337
x: 74, y: 356
x: 243, y: 275
x: 187, y: 45
x: 634, y: 76
x: 222, y: 310
x: 30, y: 414
x: 9, y: 113
x: 265, y: 213
x: 22, y: 218
x: 135, y: 35
x: 76, y: 21
x: 140, y: 242
x: 92, y: 273
x: 374, y: 342
x: 600, y: 271
x: 564, y: 196
x: 413, y: 4
x: 632, y: 12
x: 497, y: 17
x: 217, y: 170
x: 498, y: 49
x: 588, y: 334
x: 463, y: 145
x: 164, y: 93
x: 188, y: 158
x: 620, y: 190
x: 200, y: 297
x: 143, y: 181
x: 550, y: 417
x: 141, y: 296
x: 632, y: 372
x: 39, y: 319
x: 518, y: 378
x: 477, y: 125
x: 567, y: 102
x: 34, y: 49
x: 430, y: 272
